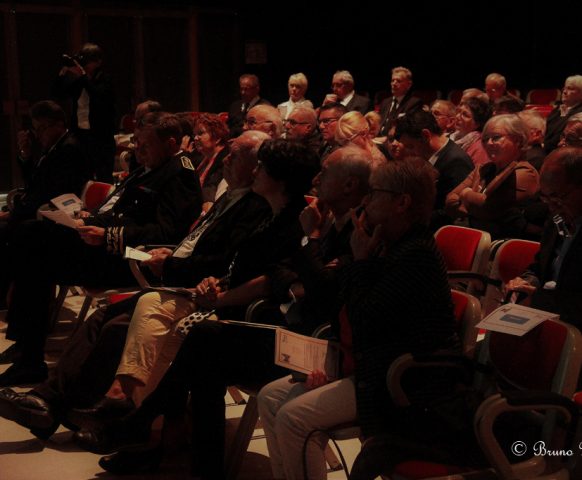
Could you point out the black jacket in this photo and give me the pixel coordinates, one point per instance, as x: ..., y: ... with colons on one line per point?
x: 155, y: 207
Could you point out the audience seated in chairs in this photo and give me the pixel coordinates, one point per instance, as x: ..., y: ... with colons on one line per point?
x: 421, y: 136
x: 62, y: 168
x: 297, y: 86
x: 210, y: 137
x: 342, y: 85
x: 301, y: 125
x: 554, y: 280
x: 571, y: 105
x: 210, y: 357
x: 396, y: 298
x: 400, y: 102
x: 472, y: 114
x: 536, y: 124
x: 572, y: 134
x: 250, y: 88
x: 492, y: 196
x: 353, y: 129
x: 327, y: 119
x: 266, y: 119
x: 85, y: 369
x: 154, y: 205
x: 444, y: 112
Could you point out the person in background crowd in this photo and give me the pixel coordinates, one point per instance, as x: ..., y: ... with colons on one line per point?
x: 492, y: 196
x: 84, y: 82
x: 342, y: 85
x: 249, y: 88
x: 297, y: 86
x: 472, y: 114
x: 444, y: 113
x: 558, y: 118
x: 401, y: 101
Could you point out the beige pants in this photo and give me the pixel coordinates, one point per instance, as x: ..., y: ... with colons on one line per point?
x: 289, y: 413
x: 152, y: 342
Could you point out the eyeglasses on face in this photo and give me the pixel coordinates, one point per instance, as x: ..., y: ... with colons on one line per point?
x: 327, y: 121
x: 294, y: 123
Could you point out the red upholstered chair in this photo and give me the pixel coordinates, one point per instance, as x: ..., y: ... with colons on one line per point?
x: 128, y: 123
x: 511, y: 259
x: 543, y: 110
x: 466, y: 253
x: 543, y: 96
x: 94, y: 193
x: 544, y: 366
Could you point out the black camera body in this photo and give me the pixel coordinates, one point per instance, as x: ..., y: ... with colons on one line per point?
x: 69, y: 60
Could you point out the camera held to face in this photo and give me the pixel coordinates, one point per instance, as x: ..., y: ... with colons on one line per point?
x: 72, y: 60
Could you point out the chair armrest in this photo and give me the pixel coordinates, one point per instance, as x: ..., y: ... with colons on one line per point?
x: 494, y: 406
x: 407, y: 361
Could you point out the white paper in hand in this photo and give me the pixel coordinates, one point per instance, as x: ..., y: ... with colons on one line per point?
x: 135, y: 254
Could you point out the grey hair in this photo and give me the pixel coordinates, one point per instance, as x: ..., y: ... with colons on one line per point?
x: 535, y: 120
x: 513, y: 124
x: 344, y: 76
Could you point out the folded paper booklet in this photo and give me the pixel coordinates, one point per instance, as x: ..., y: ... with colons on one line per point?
x: 305, y: 354
x: 515, y: 319
x: 135, y: 254
x: 68, y: 203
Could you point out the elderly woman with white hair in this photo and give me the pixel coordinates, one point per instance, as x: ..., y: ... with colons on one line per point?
x: 353, y: 128
x: 492, y: 195
x: 297, y: 86
x: 558, y: 118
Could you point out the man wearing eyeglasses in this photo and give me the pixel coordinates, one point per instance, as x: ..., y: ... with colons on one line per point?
x: 342, y: 86
x: 302, y: 125
x: 264, y: 118
x: 328, y: 116
x: 555, y: 278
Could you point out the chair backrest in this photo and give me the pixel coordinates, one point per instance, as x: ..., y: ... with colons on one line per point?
x: 511, y: 259
x: 94, y: 193
x: 543, y: 110
x: 467, y: 311
x: 547, y: 358
x: 128, y: 123
x: 543, y: 96
x: 464, y: 249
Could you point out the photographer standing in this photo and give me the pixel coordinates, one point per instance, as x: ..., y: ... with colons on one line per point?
x: 93, y: 111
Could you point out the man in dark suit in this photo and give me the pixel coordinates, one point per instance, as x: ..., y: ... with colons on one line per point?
x: 250, y: 88
x: 342, y: 85
x: 401, y: 101
x: 421, y: 136
x: 88, y: 364
x: 555, y: 278
x: 61, y: 168
x: 90, y: 92
x: 558, y: 118
x: 155, y: 204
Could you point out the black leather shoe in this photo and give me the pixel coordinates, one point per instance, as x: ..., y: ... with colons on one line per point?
x: 11, y: 355
x: 29, y: 411
x: 133, y: 460
x: 103, y: 411
x: 19, y: 374
x: 110, y: 438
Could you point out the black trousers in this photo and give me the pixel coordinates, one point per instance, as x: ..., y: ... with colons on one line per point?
x: 213, y: 356
x: 45, y: 254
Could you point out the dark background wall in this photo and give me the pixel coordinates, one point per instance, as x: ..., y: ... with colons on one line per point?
x: 154, y: 50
